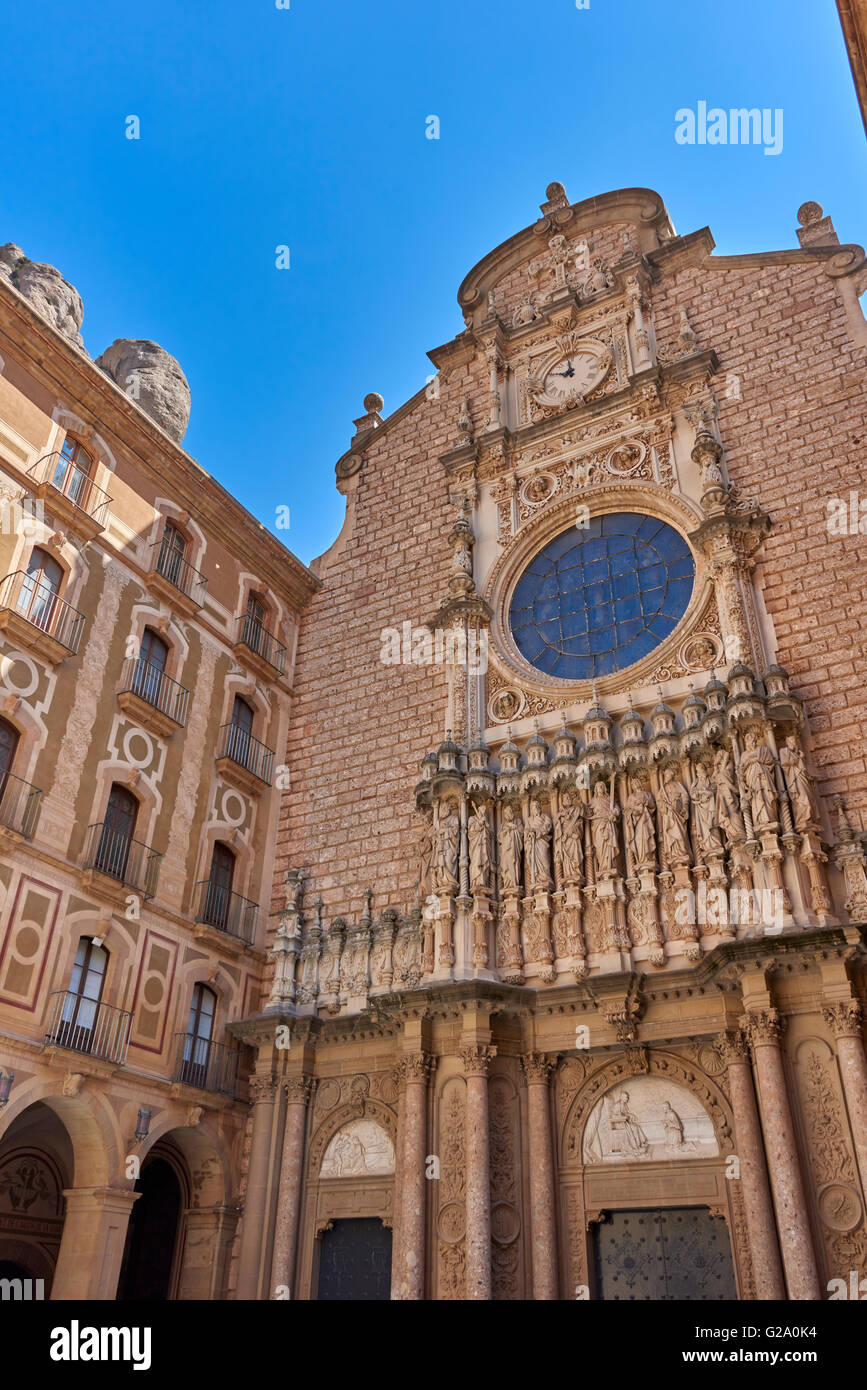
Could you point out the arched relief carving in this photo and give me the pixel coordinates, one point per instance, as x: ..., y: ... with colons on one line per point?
x: 337, y: 1119
x: 617, y: 1071
x: 602, y: 499
x: 362, y: 1148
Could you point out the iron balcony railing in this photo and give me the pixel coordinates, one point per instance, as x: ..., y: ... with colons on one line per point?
x: 86, y: 1025
x: 37, y: 602
x: 70, y: 480
x: 19, y: 805
x: 170, y: 563
x: 112, y: 852
x: 228, y: 912
x: 151, y: 684
x: 238, y: 743
x: 208, y: 1065
x: 262, y: 642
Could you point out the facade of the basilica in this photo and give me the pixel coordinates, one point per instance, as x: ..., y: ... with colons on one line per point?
x: 556, y: 758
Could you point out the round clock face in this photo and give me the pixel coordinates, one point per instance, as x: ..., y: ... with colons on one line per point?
x: 571, y: 376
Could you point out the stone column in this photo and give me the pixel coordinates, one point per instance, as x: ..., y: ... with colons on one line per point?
x: 764, y: 1030
x: 543, y: 1231
x: 844, y: 1019
x: 415, y: 1068
x: 209, y: 1234
x: 263, y: 1089
x: 91, y: 1248
x: 476, y: 1060
x: 298, y: 1090
x: 755, y: 1186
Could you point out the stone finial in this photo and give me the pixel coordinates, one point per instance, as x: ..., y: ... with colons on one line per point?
x: 816, y: 229
x: 373, y: 405
x: 555, y: 195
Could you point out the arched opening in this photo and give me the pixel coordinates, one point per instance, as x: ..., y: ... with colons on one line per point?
x: 149, y: 1267
x: 36, y: 1165
x: 118, y: 829
x: 199, y: 1036
x: 73, y: 474
x: 255, y: 634
x: 218, y: 892
x: 150, y: 667
x: 8, y: 746
x: 173, y: 549
x: 240, y: 731
x: 39, y: 593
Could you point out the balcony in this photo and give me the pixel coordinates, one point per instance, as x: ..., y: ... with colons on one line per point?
x: 115, y: 864
x: 259, y: 649
x: 225, y: 920
x: 73, y: 497
x: 85, y: 1025
x: 174, y: 579
x: 19, y: 808
x: 152, y: 698
x: 207, y: 1065
x: 38, y: 619
x: 243, y: 760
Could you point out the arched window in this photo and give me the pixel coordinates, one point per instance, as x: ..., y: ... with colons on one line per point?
x: 255, y: 624
x: 218, y: 895
x: 8, y: 745
x: 74, y: 470
x: 172, y: 552
x: 199, y: 1036
x: 241, y: 731
x: 38, y: 596
x: 118, y: 829
x: 79, y: 1013
x: 150, y: 666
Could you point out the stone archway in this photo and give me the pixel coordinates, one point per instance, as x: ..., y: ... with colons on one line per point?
x: 36, y: 1164
x: 649, y: 1139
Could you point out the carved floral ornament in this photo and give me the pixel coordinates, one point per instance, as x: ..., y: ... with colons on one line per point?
x: 602, y: 499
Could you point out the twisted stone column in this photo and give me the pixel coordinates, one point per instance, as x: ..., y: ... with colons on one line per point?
x: 263, y: 1090
x: 764, y: 1030
x: 415, y: 1068
x: 476, y: 1059
x: 845, y: 1020
x: 543, y: 1232
x: 298, y: 1090
x: 755, y: 1187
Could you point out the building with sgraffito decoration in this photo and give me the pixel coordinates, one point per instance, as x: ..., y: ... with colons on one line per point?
x: 556, y: 757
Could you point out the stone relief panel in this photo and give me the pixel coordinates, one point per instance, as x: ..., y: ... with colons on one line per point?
x: 361, y: 1147
x: 647, y: 1120
x: 505, y: 1162
x: 451, y: 1215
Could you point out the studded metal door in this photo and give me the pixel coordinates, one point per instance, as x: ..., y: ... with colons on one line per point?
x: 355, y: 1262
x: 674, y: 1253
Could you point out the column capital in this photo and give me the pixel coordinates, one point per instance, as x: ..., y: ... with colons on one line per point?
x: 764, y: 1027
x: 476, y: 1058
x: 734, y: 1046
x: 414, y: 1067
x: 263, y: 1089
x: 298, y: 1089
x: 538, y: 1067
x: 844, y: 1018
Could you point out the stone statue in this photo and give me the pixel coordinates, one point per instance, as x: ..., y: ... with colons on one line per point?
x: 445, y: 856
x: 674, y: 810
x: 638, y: 824
x: 672, y: 1126
x: 627, y: 1136
x: 570, y: 830
x: 800, y: 785
x: 706, y: 832
x: 604, y: 815
x: 481, y: 849
x: 757, y: 775
x: 538, y: 856
x: 510, y: 847
x: 728, y: 806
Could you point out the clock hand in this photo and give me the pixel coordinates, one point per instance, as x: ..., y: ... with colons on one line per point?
x: 570, y: 372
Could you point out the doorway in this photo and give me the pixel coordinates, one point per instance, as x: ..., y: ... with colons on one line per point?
x: 663, y: 1254
x: 148, y: 1266
x: 355, y: 1262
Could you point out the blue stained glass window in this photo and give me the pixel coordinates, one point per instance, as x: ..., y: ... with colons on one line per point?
x: 599, y: 598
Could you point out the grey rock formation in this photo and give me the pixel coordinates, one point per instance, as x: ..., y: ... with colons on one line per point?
x: 58, y: 302
x: 151, y: 377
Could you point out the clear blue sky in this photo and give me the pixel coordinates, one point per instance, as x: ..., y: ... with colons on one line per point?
x: 306, y: 127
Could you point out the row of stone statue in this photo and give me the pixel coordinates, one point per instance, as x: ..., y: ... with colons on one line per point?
x: 694, y: 813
